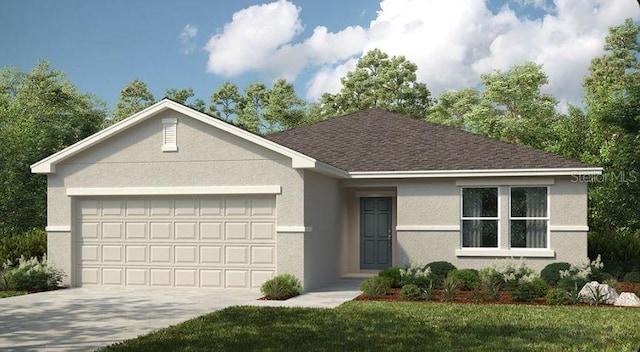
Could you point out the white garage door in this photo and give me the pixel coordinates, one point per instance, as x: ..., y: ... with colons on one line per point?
x: 191, y: 241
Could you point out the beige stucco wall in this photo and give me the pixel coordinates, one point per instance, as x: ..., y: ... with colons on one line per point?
x: 206, y: 157
x: 432, y: 208
x: 322, y: 206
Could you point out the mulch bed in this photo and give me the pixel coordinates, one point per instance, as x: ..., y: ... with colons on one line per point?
x: 467, y: 297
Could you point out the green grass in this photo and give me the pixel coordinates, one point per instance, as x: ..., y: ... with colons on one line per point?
x: 401, y: 326
x: 5, y: 294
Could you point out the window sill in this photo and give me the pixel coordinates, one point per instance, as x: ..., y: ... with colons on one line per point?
x: 492, y: 252
x: 169, y: 148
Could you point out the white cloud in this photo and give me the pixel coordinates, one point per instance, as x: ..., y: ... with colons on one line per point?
x: 259, y: 38
x: 186, y: 38
x: 452, y: 42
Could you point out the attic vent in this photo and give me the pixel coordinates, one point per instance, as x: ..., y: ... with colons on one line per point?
x: 170, y: 134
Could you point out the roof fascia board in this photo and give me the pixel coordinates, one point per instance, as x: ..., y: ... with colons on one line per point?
x: 477, y: 173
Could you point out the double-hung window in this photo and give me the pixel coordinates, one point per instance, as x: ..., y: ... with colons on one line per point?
x: 529, y: 217
x: 480, y: 217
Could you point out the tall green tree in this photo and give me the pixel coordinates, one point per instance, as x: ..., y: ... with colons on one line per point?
x: 182, y: 95
x: 41, y: 112
x: 379, y: 81
x: 251, y: 107
x: 612, y: 95
x: 283, y: 108
x: 224, y: 101
x: 133, y: 97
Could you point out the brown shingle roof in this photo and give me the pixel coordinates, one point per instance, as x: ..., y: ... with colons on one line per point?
x: 377, y: 140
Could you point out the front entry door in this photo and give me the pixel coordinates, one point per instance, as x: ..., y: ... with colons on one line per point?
x: 375, y: 233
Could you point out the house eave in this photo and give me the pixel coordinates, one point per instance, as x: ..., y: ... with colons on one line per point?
x: 592, y: 171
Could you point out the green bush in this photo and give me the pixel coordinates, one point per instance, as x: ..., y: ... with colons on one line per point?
x: 393, y: 274
x: 450, y: 287
x: 416, y: 274
x: 467, y: 278
x: 557, y: 296
x: 440, y: 270
x: 411, y: 292
x: 29, y: 245
x: 376, y: 286
x: 282, y: 287
x: 633, y: 276
x: 570, y: 283
x: 551, y: 273
x: 528, y: 291
x: 31, y: 275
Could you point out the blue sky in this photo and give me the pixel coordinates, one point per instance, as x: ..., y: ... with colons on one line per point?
x: 103, y: 45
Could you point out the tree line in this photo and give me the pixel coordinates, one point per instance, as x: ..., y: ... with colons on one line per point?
x: 42, y: 112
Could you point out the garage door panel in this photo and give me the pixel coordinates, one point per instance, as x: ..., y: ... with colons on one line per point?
x: 160, y: 254
x: 263, y: 255
x: 185, y: 230
x: 112, y: 253
x: 237, y: 255
x: 211, y: 207
x: 236, y: 231
x: 186, y: 277
x: 185, y: 254
x: 136, y: 254
x: 112, y: 208
x: 211, y: 231
x: 262, y: 231
x: 136, y: 207
x: 236, y: 207
x: 136, y: 277
x: 113, y: 276
x: 136, y: 230
x: 211, y: 278
x: 160, y: 277
x: 160, y: 230
x: 211, y: 254
x: 237, y: 278
x: 199, y: 241
x: 185, y: 207
x: 160, y: 207
x: 112, y: 230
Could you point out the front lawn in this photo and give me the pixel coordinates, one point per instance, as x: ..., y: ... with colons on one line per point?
x: 5, y: 294
x: 401, y: 326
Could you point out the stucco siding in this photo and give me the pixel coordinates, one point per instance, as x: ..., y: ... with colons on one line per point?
x: 206, y: 156
x: 323, y: 205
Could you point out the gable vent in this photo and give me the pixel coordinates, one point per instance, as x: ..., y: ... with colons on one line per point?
x: 170, y: 134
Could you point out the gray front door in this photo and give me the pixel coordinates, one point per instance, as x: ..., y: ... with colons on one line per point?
x: 375, y: 233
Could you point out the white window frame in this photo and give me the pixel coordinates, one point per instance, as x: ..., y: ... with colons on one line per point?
x: 169, y: 144
x: 547, y: 218
x: 463, y: 218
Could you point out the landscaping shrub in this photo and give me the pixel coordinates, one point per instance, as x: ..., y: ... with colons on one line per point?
x: 411, y: 292
x: 376, y: 286
x: 551, y: 273
x: 557, y: 296
x: 416, y: 274
x: 508, y: 273
x: 467, y: 278
x: 393, y: 274
x: 281, y: 287
x: 450, y: 287
x: 632, y: 264
x: 572, y: 283
x: 29, y: 245
x: 633, y: 276
x: 524, y: 292
x: 31, y: 275
x: 490, y: 286
x: 440, y: 270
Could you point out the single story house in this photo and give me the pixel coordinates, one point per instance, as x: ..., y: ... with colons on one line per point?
x: 174, y: 197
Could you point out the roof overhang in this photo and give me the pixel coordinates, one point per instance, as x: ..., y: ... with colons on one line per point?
x: 592, y: 171
x: 298, y: 160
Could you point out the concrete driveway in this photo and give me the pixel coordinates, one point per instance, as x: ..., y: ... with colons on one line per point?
x: 81, y: 319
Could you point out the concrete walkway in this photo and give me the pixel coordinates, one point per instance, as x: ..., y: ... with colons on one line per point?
x: 330, y: 296
x: 82, y: 319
